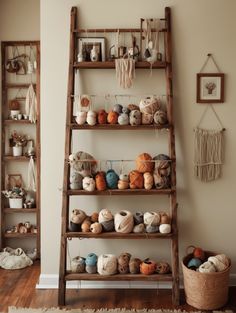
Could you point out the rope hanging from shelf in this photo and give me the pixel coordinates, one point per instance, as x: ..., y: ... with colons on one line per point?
x: 31, y: 104
x: 31, y: 175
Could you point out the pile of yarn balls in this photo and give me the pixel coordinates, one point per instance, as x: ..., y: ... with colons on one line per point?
x: 148, y: 112
x: 200, y: 263
x: 109, y: 264
x: 149, y: 173
x: 122, y: 222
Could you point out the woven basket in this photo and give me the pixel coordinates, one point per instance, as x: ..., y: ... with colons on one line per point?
x: 205, y: 291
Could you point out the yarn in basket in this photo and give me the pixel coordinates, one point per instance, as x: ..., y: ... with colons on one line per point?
x: 124, y: 222
x: 136, y: 180
x: 220, y: 261
x: 107, y: 264
x: 207, y: 267
x: 144, y: 163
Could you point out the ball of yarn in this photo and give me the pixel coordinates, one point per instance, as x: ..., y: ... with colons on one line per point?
x: 151, y: 218
x: 134, y: 265
x: 78, y: 264
x: 133, y: 107
x: 160, y: 182
x: 83, y: 163
x: 163, y: 268
x: 152, y: 229
x: 144, y: 163
x: 194, y: 263
x: 117, y: 108
x: 148, y: 180
x: 149, y: 105
x: 123, y: 182
x: 124, y: 222
x: 100, y: 181
x: 96, y: 228
x: 107, y: 264
x: 136, y: 180
x: 199, y: 253
x: 77, y: 216
x: 147, y: 119
x: 74, y: 227
x: 88, y: 183
x: 138, y: 217
x: 102, y: 117
x: 160, y: 118
x: 85, y: 226
x: 105, y: 215
x: 108, y: 225
x: 75, y: 180
x: 126, y: 110
x: 124, y: 177
x: 148, y: 267
x: 207, y: 267
x: 165, y: 218
x: 91, y: 118
x: 112, y: 117
x: 220, y: 261
x: 91, y: 259
x: 91, y: 269
x: 94, y: 217
x: 81, y: 117
x: 162, y: 164
x: 123, y: 119
x: 123, y: 263
x: 138, y: 229
x: 165, y: 228
x: 135, y: 118
x: 112, y: 179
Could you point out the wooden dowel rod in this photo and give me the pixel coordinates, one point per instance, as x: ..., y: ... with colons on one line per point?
x: 112, y: 30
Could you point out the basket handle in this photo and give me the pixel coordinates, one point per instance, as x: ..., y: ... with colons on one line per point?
x: 188, y: 249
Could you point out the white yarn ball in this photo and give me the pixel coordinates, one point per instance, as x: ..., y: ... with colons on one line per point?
x: 123, y: 119
x: 207, y: 267
x: 151, y: 218
x: 105, y: 216
x: 124, y: 177
x: 124, y: 222
x: 149, y: 105
x: 91, y: 118
x: 220, y: 261
x: 165, y: 228
x: 107, y: 264
x: 88, y: 183
x: 81, y: 117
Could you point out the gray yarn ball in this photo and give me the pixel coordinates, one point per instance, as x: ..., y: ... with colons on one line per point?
x: 117, y: 108
x: 152, y: 229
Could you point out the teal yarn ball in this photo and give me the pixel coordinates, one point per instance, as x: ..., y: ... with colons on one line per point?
x: 112, y: 179
x: 91, y: 259
x: 194, y: 263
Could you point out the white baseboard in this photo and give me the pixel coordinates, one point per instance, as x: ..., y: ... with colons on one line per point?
x: 50, y: 281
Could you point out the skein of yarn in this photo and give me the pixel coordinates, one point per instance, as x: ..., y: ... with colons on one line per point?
x: 149, y: 105
x: 160, y: 118
x: 165, y: 228
x: 81, y: 117
x: 207, y: 267
x: 107, y: 264
x: 91, y: 259
x: 148, y: 267
x: 112, y: 117
x: 91, y: 118
x: 117, y: 108
x: 102, y: 117
x: 77, y: 264
x: 220, y: 261
x: 112, y: 179
x: 106, y: 219
x: 85, y: 226
x: 123, y: 119
x: 165, y: 218
x: 135, y: 118
x: 152, y: 229
x: 163, y: 268
x: 148, y: 180
x: 151, y: 218
x: 140, y: 228
x: 138, y: 217
x: 134, y: 265
x: 75, y: 180
x: 136, y: 180
x: 100, y: 181
x: 88, y: 184
x: 123, y: 263
x: 94, y: 217
x: 83, y: 163
x: 147, y: 119
x: 144, y: 163
x: 78, y: 216
x: 123, y: 182
x: 96, y: 228
x: 124, y: 222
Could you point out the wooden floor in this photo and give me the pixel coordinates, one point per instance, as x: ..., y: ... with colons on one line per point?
x: 17, y: 288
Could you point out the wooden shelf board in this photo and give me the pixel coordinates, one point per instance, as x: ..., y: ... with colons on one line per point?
x: 19, y: 236
x: 118, y: 192
x: 16, y: 158
x: 117, y: 127
x: 8, y: 86
x: 111, y: 65
x: 124, y: 277
x: 115, y: 235
x: 9, y: 210
x: 6, y: 122
x: 114, y: 30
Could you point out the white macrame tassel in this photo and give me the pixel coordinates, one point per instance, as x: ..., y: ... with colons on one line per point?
x: 125, y: 71
x: 31, y: 104
x: 31, y: 175
x: 208, y: 154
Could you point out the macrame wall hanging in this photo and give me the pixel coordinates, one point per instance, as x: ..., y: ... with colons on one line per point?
x: 209, y: 143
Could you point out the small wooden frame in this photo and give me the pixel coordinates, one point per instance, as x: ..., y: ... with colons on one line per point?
x: 210, y: 87
x: 14, y: 180
x: 87, y: 43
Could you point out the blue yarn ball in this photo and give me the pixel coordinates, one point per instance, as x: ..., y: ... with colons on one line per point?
x: 112, y: 179
x: 194, y: 263
x: 91, y: 259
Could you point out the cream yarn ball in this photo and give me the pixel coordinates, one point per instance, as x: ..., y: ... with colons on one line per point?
x: 107, y: 264
x: 149, y: 105
x: 151, y: 218
x: 165, y: 228
x: 88, y: 184
x: 207, y: 267
x: 124, y: 222
x: 220, y: 261
x: 148, y: 180
x: 91, y: 118
x: 78, y: 216
x: 81, y: 117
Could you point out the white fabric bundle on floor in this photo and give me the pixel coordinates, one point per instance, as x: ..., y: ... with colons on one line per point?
x: 31, y: 104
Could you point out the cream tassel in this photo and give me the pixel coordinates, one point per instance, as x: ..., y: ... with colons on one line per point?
x: 125, y: 71
x: 208, y: 154
x: 31, y: 175
x: 31, y: 104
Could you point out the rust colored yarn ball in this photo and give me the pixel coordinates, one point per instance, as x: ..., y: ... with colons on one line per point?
x: 148, y: 267
x: 165, y: 218
x: 144, y: 163
x: 14, y: 105
x: 100, y: 181
x: 199, y: 253
x: 94, y: 217
x: 102, y: 117
x: 136, y: 180
x: 112, y: 117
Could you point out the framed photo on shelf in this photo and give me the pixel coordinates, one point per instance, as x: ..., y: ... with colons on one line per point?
x: 13, y: 180
x: 210, y: 87
x: 86, y: 44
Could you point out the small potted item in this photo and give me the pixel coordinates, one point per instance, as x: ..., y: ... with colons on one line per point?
x: 17, y: 142
x: 15, y: 196
x: 14, y: 107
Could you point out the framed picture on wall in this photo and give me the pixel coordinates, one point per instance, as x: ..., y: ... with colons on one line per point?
x: 210, y: 87
x: 86, y: 44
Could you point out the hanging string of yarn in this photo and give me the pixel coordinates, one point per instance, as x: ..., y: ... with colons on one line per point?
x: 152, y: 218
x: 78, y: 264
x: 123, y: 263
x: 136, y: 180
x: 148, y: 267
x: 208, y: 154
x: 106, y: 219
x: 148, y: 180
x: 125, y: 71
x: 138, y: 218
x: 144, y: 163
x: 207, y: 267
x: 149, y: 105
x: 163, y: 268
x: 124, y: 222
x: 160, y: 118
x: 220, y: 261
x: 88, y: 184
x: 102, y: 117
x: 135, y: 118
x: 100, y: 181
x: 107, y: 264
x: 112, y: 179
x: 96, y: 228
x: 134, y: 265
x: 83, y: 163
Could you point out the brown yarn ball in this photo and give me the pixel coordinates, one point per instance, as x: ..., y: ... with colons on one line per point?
x: 123, y: 184
x: 100, y: 181
x: 163, y: 268
x: 14, y: 105
x: 136, y: 180
x: 134, y: 266
x: 165, y: 218
x: 94, y: 217
x: 102, y: 117
x: 143, y: 163
x: 96, y: 228
x: 132, y: 107
x: 112, y: 117
x: 85, y: 227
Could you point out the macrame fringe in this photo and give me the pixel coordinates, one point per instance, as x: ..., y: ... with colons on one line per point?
x: 208, y: 154
x: 31, y: 175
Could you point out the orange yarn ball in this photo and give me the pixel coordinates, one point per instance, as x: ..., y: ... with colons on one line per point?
x: 94, y: 217
x: 144, y: 164
x: 148, y: 267
x: 199, y: 253
x: 112, y: 117
x: 100, y: 181
x: 136, y: 180
x: 102, y: 117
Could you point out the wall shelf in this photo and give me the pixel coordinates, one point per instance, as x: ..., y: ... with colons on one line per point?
x: 115, y: 235
x: 111, y: 65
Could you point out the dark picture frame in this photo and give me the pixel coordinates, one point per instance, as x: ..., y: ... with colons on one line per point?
x: 210, y: 88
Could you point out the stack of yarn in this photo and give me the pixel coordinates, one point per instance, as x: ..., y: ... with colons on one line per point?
x: 148, y: 112
x: 202, y: 264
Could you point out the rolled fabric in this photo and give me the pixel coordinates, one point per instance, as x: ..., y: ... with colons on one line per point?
x: 138, y: 218
x: 220, y: 261
x: 107, y: 264
x: 140, y: 228
x: 151, y: 218
x: 165, y: 228
x: 78, y: 264
x: 148, y: 180
x: 77, y: 216
x: 148, y: 267
x: 124, y: 222
x: 88, y: 184
x: 207, y: 267
x: 163, y: 268
x: 134, y: 265
x: 136, y: 180
x: 96, y: 228
x: 91, y: 259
